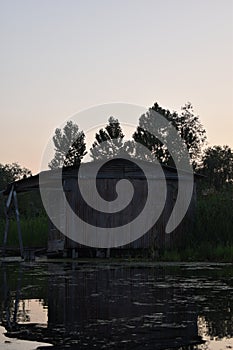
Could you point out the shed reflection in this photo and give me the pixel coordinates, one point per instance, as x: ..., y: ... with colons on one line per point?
x: 113, y: 306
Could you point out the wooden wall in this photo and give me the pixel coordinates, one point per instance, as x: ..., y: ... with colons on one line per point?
x: 154, y: 239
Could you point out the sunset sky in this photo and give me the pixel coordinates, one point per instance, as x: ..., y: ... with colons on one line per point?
x: 61, y: 57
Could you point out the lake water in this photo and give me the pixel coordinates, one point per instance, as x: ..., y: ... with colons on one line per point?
x: 98, y: 305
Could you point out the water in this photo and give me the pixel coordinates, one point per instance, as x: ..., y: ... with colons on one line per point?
x: 90, y: 305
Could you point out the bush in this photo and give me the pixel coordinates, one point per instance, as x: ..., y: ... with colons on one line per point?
x: 214, y: 220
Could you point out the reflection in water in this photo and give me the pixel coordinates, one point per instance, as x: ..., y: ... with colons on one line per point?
x: 85, y: 306
x: 32, y: 311
x: 212, y: 342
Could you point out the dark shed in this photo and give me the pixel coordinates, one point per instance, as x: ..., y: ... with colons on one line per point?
x: 106, y: 180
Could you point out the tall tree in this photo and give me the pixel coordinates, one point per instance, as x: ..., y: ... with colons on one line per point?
x: 70, y: 146
x: 187, y: 125
x: 191, y: 131
x: 108, y: 141
x: 217, y: 165
x: 12, y: 172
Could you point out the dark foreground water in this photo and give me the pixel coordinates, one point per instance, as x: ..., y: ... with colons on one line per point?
x: 118, y: 306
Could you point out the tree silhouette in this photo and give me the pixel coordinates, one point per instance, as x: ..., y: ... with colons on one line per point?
x: 217, y: 165
x: 12, y: 172
x: 187, y: 125
x: 70, y: 146
x: 108, y: 141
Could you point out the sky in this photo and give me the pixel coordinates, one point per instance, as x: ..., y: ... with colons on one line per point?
x: 61, y: 57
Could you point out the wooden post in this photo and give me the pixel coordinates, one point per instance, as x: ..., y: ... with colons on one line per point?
x: 8, y: 204
x: 18, y: 224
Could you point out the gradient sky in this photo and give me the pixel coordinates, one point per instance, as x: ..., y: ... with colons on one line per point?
x: 60, y: 57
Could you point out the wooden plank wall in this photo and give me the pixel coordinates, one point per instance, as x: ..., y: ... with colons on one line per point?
x: 156, y: 237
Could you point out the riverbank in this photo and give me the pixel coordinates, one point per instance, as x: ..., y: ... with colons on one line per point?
x: 202, y: 253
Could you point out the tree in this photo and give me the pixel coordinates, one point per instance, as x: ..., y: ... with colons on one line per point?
x: 217, y: 165
x: 109, y: 141
x: 70, y: 146
x: 191, y: 131
x: 12, y: 172
x: 187, y: 125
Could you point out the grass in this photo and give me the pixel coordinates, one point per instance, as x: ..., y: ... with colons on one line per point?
x: 34, y: 232
x: 214, y: 220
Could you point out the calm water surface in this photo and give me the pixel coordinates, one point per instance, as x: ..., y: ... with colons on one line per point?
x: 118, y: 306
